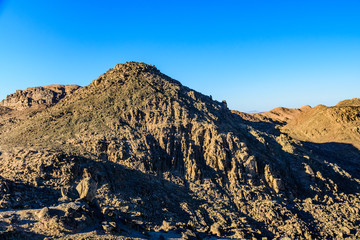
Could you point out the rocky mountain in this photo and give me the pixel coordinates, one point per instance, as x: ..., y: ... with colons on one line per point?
x: 137, y: 154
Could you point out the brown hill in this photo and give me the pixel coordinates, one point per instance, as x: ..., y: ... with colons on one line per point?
x: 282, y: 114
x: 320, y: 124
x: 137, y: 154
x: 327, y: 124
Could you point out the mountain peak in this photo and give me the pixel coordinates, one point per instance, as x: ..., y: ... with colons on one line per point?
x: 131, y: 66
x: 127, y: 71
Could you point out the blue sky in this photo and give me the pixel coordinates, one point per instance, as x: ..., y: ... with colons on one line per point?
x: 257, y: 55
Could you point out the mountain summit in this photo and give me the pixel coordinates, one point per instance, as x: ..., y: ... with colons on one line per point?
x: 137, y: 154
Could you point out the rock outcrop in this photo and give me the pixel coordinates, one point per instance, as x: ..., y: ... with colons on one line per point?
x: 37, y: 96
x: 355, y: 102
x: 87, y: 188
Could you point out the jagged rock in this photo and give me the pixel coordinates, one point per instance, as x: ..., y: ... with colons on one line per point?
x: 108, y: 227
x: 188, y: 234
x: 87, y: 189
x: 166, y: 226
x: 274, y: 182
x: 68, y: 193
x: 44, y: 214
x: 250, y: 165
x: 309, y: 171
x: 216, y: 229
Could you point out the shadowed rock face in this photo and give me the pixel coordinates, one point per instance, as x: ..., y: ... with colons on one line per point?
x: 141, y: 153
x: 4, y: 110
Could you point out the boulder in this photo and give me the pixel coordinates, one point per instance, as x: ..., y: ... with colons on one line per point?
x: 87, y: 189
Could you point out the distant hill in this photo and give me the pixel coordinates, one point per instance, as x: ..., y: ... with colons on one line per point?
x: 284, y: 114
x: 320, y: 124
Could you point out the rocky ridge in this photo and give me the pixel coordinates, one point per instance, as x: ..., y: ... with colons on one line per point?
x: 355, y: 102
x: 37, y: 96
x: 137, y: 154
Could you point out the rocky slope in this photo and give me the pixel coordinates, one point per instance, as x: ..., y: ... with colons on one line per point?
x: 136, y: 154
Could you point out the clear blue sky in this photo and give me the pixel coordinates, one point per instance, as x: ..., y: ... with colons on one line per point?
x: 255, y: 54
